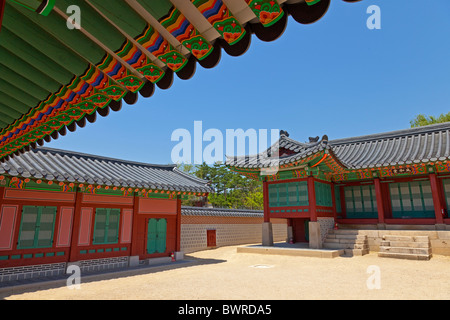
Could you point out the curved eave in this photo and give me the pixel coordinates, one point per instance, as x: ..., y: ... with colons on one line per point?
x: 125, y: 47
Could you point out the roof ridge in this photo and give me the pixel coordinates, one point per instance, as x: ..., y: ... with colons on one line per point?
x: 220, y: 209
x: 98, y: 157
x: 393, y: 134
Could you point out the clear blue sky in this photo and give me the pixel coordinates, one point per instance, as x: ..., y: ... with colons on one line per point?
x: 333, y: 77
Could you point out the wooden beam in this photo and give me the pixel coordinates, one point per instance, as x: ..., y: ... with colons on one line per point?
x: 312, y: 199
x: 438, y: 205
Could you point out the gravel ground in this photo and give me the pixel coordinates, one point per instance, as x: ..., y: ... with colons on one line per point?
x: 224, y: 274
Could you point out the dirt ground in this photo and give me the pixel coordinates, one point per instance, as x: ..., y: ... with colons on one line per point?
x: 224, y: 274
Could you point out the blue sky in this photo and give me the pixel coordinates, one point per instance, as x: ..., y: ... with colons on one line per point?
x: 333, y: 77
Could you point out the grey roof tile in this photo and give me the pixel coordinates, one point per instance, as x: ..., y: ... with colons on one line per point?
x: 220, y: 212
x: 412, y: 145
x: 63, y: 165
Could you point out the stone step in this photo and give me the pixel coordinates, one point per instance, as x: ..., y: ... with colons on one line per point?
x: 358, y: 241
x: 397, y: 238
x: 346, y: 236
x: 343, y: 231
x: 355, y: 252
x: 408, y: 256
x: 331, y: 245
x: 411, y: 244
x: 406, y: 250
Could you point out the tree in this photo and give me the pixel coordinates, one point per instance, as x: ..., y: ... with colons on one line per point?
x: 423, y: 120
x: 232, y: 190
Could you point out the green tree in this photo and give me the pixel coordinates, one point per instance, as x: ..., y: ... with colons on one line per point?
x: 232, y: 190
x: 423, y: 120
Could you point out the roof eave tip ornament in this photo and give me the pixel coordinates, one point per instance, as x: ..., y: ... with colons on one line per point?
x: 284, y: 133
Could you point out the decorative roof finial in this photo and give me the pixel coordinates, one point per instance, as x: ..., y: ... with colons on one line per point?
x: 284, y: 133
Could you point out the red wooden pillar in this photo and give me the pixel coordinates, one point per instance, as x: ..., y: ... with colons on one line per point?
x: 73, y: 254
x: 266, y: 201
x: 2, y: 10
x: 437, y: 198
x: 312, y: 199
x: 178, y: 236
x: 134, y: 248
x: 379, y: 198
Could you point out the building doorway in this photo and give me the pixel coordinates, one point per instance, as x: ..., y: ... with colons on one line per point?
x: 300, y: 229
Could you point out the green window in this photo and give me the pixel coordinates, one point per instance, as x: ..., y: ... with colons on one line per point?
x: 36, y: 227
x: 156, y: 235
x: 412, y: 200
x: 288, y: 194
x: 360, y: 202
x: 106, y: 228
x: 323, y: 194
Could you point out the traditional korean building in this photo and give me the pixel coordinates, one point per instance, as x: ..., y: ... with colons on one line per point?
x: 59, y: 207
x: 63, y: 63
x: 398, y: 179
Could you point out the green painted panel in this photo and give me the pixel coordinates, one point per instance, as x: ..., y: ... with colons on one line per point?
x: 123, y: 15
x: 412, y: 200
x: 36, y: 227
x: 161, y: 230
x: 151, y: 236
x: 337, y: 196
x: 56, y: 26
x: 101, y: 216
x: 95, y: 24
x: 323, y: 194
x: 360, y: 202
x: 157, y: 8
x: 288, y: 194
x: 106, y: 228
x: 18, y: 81
x: 31, y: 31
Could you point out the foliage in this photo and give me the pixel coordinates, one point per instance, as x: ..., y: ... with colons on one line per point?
x: 423, y: 120
x: 232, y: 190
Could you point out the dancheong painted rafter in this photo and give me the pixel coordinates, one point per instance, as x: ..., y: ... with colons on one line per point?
x: 54, y: 78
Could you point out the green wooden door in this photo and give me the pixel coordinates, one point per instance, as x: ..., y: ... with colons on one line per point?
x: 161, y: 228
x: 307, y: 229
x: 156, y: 235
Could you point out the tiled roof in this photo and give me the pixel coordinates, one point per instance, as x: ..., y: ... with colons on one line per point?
x: 220, y: 212
x: 63, y: 165
x: 408, y: 146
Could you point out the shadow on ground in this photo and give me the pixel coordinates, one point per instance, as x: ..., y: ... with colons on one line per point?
x: 37, y: 284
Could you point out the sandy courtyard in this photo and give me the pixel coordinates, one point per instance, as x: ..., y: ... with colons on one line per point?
x: 223, y: 273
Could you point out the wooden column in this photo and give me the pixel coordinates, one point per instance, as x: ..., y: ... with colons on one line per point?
x: 73, y: 254
x: 312, y: 199
x: 134, y: 248
x: 379, y: 198
x: 266, y: 201
x: 178, y: 237
x: 438, y: 205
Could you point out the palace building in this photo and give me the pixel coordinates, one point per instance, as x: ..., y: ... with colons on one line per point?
x: 59, y: 207
x: 393, y: 180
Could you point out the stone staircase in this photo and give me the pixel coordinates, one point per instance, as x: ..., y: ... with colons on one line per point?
x: 405, y: 247
x: 353, y: 243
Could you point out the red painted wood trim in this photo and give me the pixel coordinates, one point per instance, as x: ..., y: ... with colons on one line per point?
x: 73, y: 256
x: 266, y: 201
x: 333, y: 199
x: 357, y: 221
x: 379, y: 198
x: 134, y: 232
x: 438, y: 205
x: 312, y: 199
x: 2, y: 10
x: 178, y: 226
